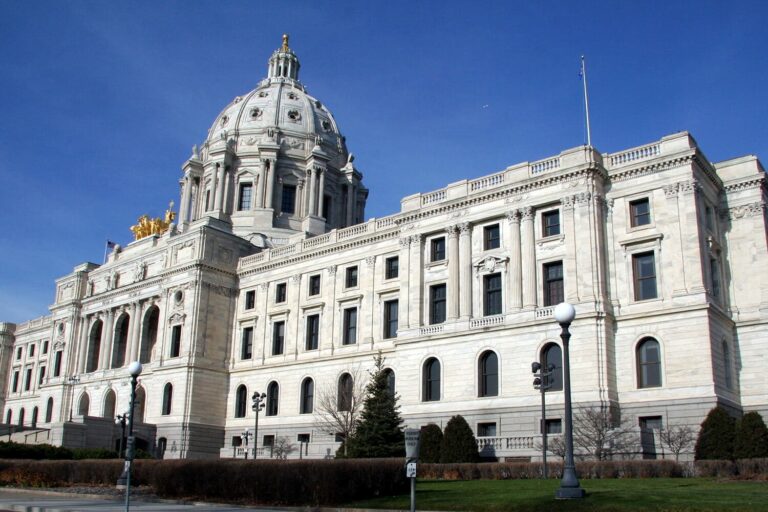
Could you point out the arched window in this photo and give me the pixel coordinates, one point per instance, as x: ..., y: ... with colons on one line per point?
x: 162, y: 443
x: 149, y: 334
x: 488, y: 374
x: 85, y: 405
x: 109, y: 404
x: 34, y: 416
x: 49, y: 410
x: 8, y: 416
x: 727, y: 365
x: 345, y: 397
x: 241, y: 398
x: 648, y: 363
x: 273, y: 393
x: 390, y: 374
x: 167, y: 399
x: 120, y: 343
x: 552, y: 357
x: 94, y: 347
x: 21, y: 417
x: 138, y: 408
x: 431, y: 377
x: 307, y: 396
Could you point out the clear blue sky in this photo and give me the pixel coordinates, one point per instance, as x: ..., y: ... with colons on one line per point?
x: 101, y: 102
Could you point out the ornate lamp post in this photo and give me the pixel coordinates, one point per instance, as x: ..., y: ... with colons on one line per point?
x: 135, y: 370
x: 120, y: 420
x: 569, y: 485
x: 259, y: 402
x: 246, y: 435
x: 71, y: 381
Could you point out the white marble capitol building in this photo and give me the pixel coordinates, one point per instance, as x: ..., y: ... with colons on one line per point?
x: 270, y: 279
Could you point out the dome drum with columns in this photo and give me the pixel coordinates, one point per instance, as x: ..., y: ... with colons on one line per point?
x: 274, y: 164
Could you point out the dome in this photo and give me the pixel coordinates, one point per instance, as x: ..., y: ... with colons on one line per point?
x: 280, y: 106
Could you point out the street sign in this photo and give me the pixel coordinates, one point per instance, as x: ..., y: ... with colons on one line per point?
x: 412, y: 443
x: 410, y: 470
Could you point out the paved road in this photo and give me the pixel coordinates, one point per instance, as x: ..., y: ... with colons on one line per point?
x: 42, y: 501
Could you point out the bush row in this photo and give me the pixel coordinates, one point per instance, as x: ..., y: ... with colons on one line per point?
x: 11, y: 450
x: 307, y: 482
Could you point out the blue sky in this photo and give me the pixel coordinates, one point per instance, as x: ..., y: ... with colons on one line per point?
x: 101, y: 101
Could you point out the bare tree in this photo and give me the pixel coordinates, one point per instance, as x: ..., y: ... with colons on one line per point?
x: 282, y: 448
x: 555, y: 445
x: 338, y: 405
x: 677, y: 438
x: 601, y: 433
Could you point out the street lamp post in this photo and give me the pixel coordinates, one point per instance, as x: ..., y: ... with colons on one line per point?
x: 542, y: 382
x: 121, y: 419
x: 246, y: 435
x: 259, y: 401
x: 569, y: 485
x: 71, y: 381
x: 135, y: 370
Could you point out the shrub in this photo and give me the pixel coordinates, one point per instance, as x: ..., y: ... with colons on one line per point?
x: 716, y: 468
x: 531, y: 470
x: 93, y: 453
x: 751, y: 437
x: 715, y: 440
x: 459, y: 443
x: 11, y: 450
x: 429, y: 443
x: 753, y: 468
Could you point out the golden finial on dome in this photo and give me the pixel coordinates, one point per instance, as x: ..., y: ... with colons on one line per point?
x: 285, y: 43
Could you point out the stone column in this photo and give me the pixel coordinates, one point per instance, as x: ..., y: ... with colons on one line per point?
x: 303, y: 198
x: 219, y: 190
x: 133, y: 347
x: 350, y: 203
x: 269, y: 177
x: 465, y: 270
x: 693, y: 273
x: 528, y: 251
x: 453, y: 273
x: 403, y: 261
x: 260, y: 177
x: 415, y: 278
x: 228, y: 179
x: 512, y: 242
x: 570, y: 267
x: 85, y: 329
x: 320, y: 193
x: 312, y: 177
x: 184, y: 207
x: 107, y: 333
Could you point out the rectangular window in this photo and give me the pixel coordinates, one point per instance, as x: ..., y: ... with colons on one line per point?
x: 391, y: 267
x: 18, y: 353
x: 714, y: 274
x: 326, y: 208
x: 314, y: 285
x: 390, y: 318
x: 176, y: 341
x: 15, y: 386
x: 492, y: 294
x: 350, y: 279
x: 45, y: 347
x: 640, y: 212
x: 32, y: 350
x: 350, y: 326
x: 553, y: 283
x: 302, y: 438
x: 644, y: 270
x: 554, y: 426
x: 437, y: 249
x: 551, y: 222
x: 491, y: 239
x: 278, y: 338
x: 41, y: 376
x: 709, y: 218
x: 244, y: 200
x: 313, y: 332
x: 246, y: 344
x: 268, y: 441
x: 57, y: 364
x: 486, y: 430
x: 250, y: 300
x: 288, y: 204
x: 27, y: 379
x: 280, y: 292
x: 437, y: 304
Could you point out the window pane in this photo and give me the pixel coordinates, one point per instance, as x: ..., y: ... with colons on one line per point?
x: 489, y: 375
x: 437, y: 304
x: 551, y: 222
x: 390, y: 318
x: 350, y: 326
x: 649, y: 361
x: 314, y: 285
x: 640, y: 212
x: 246, y: 350
x: 553, y: 357
x: 278, y: 337
x: 289, y: 199
x: 438, y: 249
x: 432, y: 380
x: 244, y: 202
x: 351, y: 277
x: 553, y: 283
x: 491, y: 237
x: 645, y: 276
x: 313, y: 332
x: 492, y: 294
x: 392, y: 268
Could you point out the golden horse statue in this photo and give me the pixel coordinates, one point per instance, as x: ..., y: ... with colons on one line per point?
x: 147, y: 226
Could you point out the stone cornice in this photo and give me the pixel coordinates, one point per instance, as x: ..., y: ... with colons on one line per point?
x: 653, y: 167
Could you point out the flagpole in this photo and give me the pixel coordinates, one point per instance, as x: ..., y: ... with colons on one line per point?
x: 586, y: 99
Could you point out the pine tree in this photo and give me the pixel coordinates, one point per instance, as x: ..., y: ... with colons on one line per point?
x: 459, y: 443
x: 715, y: 440
x: 751, y: 437
x: 429, y: 443
x: 380, y: 431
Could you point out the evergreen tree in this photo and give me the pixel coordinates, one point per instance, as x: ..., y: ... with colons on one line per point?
x: 459, y: 443
x: 751, y: 437
x: 715, y: 440
x: 380, y: 431
x: 429, y: 443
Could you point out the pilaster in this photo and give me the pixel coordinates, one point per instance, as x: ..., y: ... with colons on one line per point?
x: 512, y: 242
x: 528, y: 258
x: 465, y: 270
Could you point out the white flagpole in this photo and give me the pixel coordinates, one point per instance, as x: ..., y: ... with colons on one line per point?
x: 586, y: 99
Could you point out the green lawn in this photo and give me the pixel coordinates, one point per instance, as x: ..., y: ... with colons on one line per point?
x: 652, y: 494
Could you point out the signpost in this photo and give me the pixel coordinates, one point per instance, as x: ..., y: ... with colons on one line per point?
x: 411, y: 456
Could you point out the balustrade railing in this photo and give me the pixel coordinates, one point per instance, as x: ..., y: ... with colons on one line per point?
x: 633, y: 154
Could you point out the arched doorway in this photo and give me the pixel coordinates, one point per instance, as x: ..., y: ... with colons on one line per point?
x: 109, y: 404
x: 94, y: 347
x: 120, y: 344
x: 84, y: 405
x: 149, y: 334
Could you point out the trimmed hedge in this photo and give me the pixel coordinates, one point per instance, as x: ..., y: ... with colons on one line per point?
x: 527, y: 470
